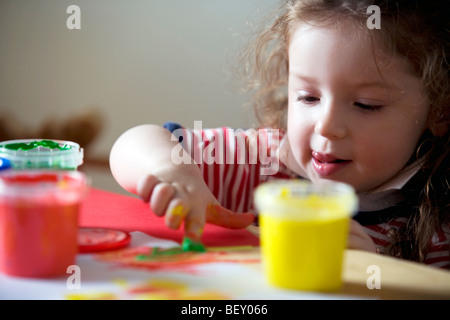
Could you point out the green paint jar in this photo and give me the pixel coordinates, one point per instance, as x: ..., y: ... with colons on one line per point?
x: 29, y: 154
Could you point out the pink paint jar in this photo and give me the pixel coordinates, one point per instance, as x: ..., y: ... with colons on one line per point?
x: 39, y: 221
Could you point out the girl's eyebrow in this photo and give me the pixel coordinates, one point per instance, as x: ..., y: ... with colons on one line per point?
x: 381, y: 85
x: 302, y: 77
x: 356, y: 85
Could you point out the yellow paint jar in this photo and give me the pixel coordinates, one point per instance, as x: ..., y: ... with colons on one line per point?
x: 304, y: 229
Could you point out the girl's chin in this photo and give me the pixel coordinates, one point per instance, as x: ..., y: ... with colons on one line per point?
x: 314, y: 177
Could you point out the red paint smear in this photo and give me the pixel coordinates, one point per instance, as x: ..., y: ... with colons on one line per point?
x: 183, y: 262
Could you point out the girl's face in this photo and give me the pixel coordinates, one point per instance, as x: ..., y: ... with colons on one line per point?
x: 355, y: 113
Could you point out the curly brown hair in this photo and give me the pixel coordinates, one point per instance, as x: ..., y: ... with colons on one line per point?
x: 419, y: 31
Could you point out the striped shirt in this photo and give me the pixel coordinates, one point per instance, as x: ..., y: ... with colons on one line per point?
x: 235, y: 162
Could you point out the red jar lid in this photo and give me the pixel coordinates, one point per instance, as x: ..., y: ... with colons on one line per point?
x: 100, y: 239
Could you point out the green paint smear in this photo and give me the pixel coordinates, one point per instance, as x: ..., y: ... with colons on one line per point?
x: 35, y: 144
x: 188, y: 245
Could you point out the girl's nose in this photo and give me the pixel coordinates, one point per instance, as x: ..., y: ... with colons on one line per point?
x: 331, y: 122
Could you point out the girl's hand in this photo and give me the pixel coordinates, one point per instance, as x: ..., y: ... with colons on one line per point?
x: 180, y: 194
x: 359, y: 239
x: 141, y: 162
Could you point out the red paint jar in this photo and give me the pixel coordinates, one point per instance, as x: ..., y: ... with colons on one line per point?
x: 39, y: 221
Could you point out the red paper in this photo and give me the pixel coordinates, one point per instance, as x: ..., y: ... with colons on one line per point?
x: 105, y: 209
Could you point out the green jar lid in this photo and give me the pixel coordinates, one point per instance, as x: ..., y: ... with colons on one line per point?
x: 42, y: 154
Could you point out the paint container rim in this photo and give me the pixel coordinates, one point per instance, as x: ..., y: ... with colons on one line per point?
x: 24, y: 185
x: 43, y: 158
x: 305, y: 201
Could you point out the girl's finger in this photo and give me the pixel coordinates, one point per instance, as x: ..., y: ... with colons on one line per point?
x: 176, y: 212
x: 193, y: 226
x: 145, y: 187
x: 223, y: 217
x: 160, y: 197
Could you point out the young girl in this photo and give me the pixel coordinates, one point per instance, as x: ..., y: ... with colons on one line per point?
x: 338, y: 101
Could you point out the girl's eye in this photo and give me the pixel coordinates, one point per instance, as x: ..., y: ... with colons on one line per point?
x: 368, y: 106
x: 308, y: 99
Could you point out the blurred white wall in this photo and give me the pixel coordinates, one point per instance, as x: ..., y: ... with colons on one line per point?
x: 139, y: 61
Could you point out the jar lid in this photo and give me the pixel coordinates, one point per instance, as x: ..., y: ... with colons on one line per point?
x: 100, y: 239
x: 42, y: 154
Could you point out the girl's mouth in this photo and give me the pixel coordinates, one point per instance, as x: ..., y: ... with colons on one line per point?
x: 327, y: 164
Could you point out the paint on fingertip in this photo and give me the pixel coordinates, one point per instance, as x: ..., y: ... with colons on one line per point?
x: 176, y: 217
x: 178, y: 211
x: 194, y: 231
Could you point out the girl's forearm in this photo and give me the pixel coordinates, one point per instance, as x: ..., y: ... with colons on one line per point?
x: 140, y: 151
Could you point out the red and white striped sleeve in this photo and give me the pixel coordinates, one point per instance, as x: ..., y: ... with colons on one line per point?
x: 438, y: 254
x: 234, y: 162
